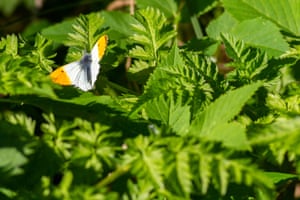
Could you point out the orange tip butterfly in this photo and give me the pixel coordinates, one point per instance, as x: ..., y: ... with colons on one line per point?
x: 83, y: 73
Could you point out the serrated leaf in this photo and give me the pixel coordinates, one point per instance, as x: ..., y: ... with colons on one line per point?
x: 234, y: 47
x: 283, y: 13
x: 170, y: 113
x: 231, y: 135
x: 223, y: 24
x: 268, y: 38
x: 223, y: 109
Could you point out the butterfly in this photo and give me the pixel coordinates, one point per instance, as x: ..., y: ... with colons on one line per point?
x: 82, y: 73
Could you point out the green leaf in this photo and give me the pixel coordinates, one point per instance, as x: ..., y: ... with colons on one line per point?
x: 9, y: 45
x: 278, y: 177
x: 224, y: 109
x: 280, y: 138
x: 168, y: 7
x: 223, y: 24
x: 8, y: 6
x: 146, y: 160
x: 8, y: 193
x: 170, y: 113
x: 11, y: 161
x: 150, y: 34
x: 191, y: 81
x: 86, y: 30
x: 119, y: 22
x: 283, y: 13
x: 41, y: 54
x: 250, y: 64
x: 183, y: 172
x: 59, y: 32
x: 231, y: 135
x: 268, y: 38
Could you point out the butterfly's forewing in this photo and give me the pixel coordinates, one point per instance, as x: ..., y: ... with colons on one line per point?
x: 63, y: 74
x: 97, y: 54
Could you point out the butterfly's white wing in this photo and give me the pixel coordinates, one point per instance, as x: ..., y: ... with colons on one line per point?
x: 78, y: 75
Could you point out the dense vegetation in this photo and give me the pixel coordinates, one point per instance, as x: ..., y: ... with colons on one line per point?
x: 195, y: 100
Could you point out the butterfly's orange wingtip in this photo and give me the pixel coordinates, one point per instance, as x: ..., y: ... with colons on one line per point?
x: 102, y: 44
x: 59, y: 76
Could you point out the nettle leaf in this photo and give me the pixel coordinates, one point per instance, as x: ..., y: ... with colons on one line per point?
x: 118, y: 23
x: 268, y: 38
x: 150, y: 34
x: 284, y: 13
x: 170, y: 113
x: 224, y: 109
x: 232, y: 135
x: 223, y: 24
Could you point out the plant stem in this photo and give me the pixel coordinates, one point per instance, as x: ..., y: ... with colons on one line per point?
x: 196, y: 27
x: 113, y: 176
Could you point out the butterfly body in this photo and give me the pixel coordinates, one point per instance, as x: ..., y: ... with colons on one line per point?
x: 83, y: 73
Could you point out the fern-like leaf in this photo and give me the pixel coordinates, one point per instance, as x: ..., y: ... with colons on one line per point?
x: 146, y: 160
x: 151, y: 34
x: 173, y: 77
x: 86, y: 31
x: 248, y: 62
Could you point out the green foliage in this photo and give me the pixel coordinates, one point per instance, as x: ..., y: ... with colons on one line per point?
x: 151, y: 34
x: 284, y: 14
x: 178, y: 128
x: 268, y: 38
x: 23, y: 66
